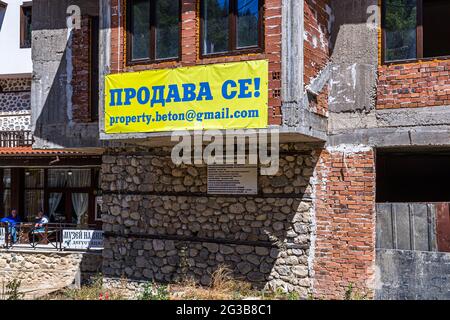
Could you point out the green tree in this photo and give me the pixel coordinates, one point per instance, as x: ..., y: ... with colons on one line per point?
x: 400, y: 26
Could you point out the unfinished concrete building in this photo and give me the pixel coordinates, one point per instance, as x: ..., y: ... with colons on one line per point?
x: 360, y: 102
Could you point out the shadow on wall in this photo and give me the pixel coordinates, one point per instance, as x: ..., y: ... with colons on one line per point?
x: 54, y: 64
x: 172, y: 230
x: 353, y: 14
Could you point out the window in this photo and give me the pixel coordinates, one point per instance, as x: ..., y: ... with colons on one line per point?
x: 153, y: 30
x: 231, y: 26
x: 25, y: 25
x: 413, y: 29
x: 34, y: 193
x: 2, y: 12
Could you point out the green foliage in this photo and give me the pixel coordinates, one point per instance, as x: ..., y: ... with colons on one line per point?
x: 93, y: 291
x: 351, y: 294
x: 154, y: 291
x: 348, y: 292
x: 12, y: 290
x: 293, y: 296
x: 400, y: 25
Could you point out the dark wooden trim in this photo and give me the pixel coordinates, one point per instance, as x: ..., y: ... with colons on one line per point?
x: 46, y: 193
x: 233, y: 50
x: 2, y: 189
x: 419, y: 30
x: 25, y: 5
x: 152, y: 34
x: 24, y: 161
x: 419, y: 38
x: 232, y: 28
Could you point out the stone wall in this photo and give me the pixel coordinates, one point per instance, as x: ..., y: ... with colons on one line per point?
x: 161, y: 225
x: 15, y: 104
x: 42, y: 272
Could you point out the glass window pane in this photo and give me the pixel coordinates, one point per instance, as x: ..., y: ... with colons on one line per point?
x: 79, y: 178
x: 400, y: 26
x: 7, y: 178
x: 57, y: 178
x: 215, y: 28
x: 80, y: 206
x: 247, y: 23
x: 140, y: 29
x: 34, y: 201
x: 56, y: 207
x: 34, y: 178
x: 167, y: 29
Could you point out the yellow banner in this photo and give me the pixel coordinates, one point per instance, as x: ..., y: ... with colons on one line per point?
x: 219, y: 96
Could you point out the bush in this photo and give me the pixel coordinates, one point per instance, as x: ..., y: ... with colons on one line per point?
x: 12, y: 290
x: 154, y: 292
x: 93, y: 291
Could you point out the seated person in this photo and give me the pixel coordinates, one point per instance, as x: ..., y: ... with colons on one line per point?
x: 12, y: 220
x: 41, y: 221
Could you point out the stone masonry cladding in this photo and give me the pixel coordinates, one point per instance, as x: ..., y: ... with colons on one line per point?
x: 15, y: 105
x: 42, y: 272
x: 169, y: 228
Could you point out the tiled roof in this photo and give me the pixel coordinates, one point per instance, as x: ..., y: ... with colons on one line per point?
x: 31, y: 151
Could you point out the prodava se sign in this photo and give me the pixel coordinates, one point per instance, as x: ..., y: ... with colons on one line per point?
x: 218, y: 96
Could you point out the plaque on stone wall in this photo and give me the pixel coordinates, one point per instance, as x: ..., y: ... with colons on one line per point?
x: 232, y: 179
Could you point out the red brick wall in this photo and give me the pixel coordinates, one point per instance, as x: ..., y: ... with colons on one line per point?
x: 190, y: 47
x: 420, y: 84
x: 80, y: 75
x: 345, y: 220
x: 316, y: 47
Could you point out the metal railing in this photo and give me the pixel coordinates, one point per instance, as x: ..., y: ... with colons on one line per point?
x: 11, y: 139
x: 50, y: 236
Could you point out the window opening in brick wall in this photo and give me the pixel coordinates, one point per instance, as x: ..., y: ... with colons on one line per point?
x: 153, y: 30
x: 413, y: 176
x: 414, y: 29
x: 231, y: 26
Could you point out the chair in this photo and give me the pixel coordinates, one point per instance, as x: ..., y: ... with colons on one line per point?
x: 44, y: 235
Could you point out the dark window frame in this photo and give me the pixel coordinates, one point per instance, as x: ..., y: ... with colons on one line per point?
x: 23, y: 40
x: 232, y: 39
x: 419, y: 37
x: 152, y: 34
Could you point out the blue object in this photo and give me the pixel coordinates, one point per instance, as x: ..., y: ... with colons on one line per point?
x: 12, y: 223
